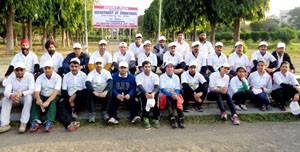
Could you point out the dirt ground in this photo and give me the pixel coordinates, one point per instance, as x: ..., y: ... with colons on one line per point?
x: 256, y: 137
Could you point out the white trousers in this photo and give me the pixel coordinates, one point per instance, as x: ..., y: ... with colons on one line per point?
x: 6, y: 109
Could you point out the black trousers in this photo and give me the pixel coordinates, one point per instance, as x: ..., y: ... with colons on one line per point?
x: 172, y: 105
x: 188, y: 95
x: 133, y: 106
x: 92, y: 100
x: 282, y: 95
x: 155, y: 110
x: 241, y: 97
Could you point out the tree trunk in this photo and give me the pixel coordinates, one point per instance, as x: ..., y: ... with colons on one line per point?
x: 63, y: 37
x: 237, y: 27
x: 70, y: 37
x: 15, y: 36
x: 9, y: 29
x: 212, y: 32
x: 67, y: 38
x: 29, y: 25
x: 77, y: 36
x: 83, y: 38
x: 54, y: 33
x: 173, y: 35
x: 44, y: 40
x: 24, y: 29
x: 194, y: 32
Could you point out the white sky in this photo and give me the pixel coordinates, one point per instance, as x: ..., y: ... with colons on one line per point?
x: 275, y: 5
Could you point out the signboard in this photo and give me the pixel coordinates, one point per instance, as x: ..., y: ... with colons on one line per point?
x: 115, y: 17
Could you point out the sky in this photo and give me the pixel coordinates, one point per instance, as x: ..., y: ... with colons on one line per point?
x: 275, y: 5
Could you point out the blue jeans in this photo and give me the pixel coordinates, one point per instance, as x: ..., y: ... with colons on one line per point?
x: 260, y: 99
x: 219, y: 98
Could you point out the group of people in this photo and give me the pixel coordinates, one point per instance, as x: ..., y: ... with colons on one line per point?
x: 63, y: 86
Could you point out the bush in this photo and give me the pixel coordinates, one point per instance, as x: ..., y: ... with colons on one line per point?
x: 273, y: 36
x: 265, y: 35
x: 286, y: 34
x: 245, y: 36
x: 255, y: 36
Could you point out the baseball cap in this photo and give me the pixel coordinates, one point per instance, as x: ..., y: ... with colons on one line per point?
x: 195, y: 43
x: 238, y: 43
x: 77, y: 45
x: 150, y: 104
x: 75, y: 60
x: 281, y: 44
x: 139, y: 35
x: 102, y: 42
x: 219, y: 44
x: 172, y: 44
x: 147, y: 42
x: 295, y: 108
x: 123, y: 44
x: 162, y: 38
x: 193, y: 63
x: 48, y: 63
x: 225, y: 65
x: 263, y: 43
x: 123, y: 64
x: 98, y: 59
x: 20, y: 65
x: 169, y: 62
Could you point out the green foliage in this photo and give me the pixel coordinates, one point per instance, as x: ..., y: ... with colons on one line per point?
x: 150, y: 20
x: 294, y: 19
x: 264, y: 35
x: 286, y: 34
x: 255, y: 36
x: 245, y: 36
x: 256, y: 26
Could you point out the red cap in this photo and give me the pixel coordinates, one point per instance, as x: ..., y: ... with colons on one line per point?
x: 25, y: 41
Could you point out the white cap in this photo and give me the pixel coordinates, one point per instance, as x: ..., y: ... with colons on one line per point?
x: 98, y: 59
x: 225, y: 65
x: 123, y: 64
x: 281, y: 44
x: 219, y: 44
x: 162, y: 38
x: 295, y: 108
x: 150, y: 104
x: 139, y: 35
x: 238, y: 43
x: 102, y: 42
x: 193, y: 63
x: 172, y: 44
x: 123, y: 44
x: 169, y: 62
x: 20, y: 65
x: 195, y: 43
x: 75, y: 60
x: 147, y: 42
x: 77, y: 45
x: 48, y: 63
x: 263, y: 43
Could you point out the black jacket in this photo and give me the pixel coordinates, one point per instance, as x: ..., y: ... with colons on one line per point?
x: 286, y: 57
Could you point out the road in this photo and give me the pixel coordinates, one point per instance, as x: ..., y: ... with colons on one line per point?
x: 256, y: 137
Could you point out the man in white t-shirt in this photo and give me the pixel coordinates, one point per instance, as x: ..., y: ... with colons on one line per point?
x: 194, y: 55
x: 137, y: 46
x: 99, y: 89
x: 51, y: 54
x: 19, y: 89
x: 206, y: 47
x: 238, y: 59
x: 147, y: 55
x: 176, y: 58
x: 74, y: 95
x: 47, y: 88
x: 104, y: 54
x: 182, y: 46
x: 124, y: 55
x: 215, y: 60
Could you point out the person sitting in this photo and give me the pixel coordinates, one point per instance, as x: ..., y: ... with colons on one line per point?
x: 238, y: 59
x: 215, y: 60
x: 147, y: 55
x: 176, y: 58
x: 281, y: 55
x: 124, y: 55
x: 104, y: 54
x: 159, y: 49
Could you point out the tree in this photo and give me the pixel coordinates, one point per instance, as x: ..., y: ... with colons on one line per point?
x: 295, y: 17
x: 150, y: 21
x: 8, y: 9
x: 286, y: 34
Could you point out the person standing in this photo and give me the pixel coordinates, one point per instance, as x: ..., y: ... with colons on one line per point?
x: 182, y: 46
x: 19, y: 89
x: 206, y: 47
x: 137, y: 46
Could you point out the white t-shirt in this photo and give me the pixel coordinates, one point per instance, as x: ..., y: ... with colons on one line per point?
x: 235, y: 84
x: 107, y: 58
x: 56, y: 58
x: 192, y: 81
x: 190, y: 57
x: 118, y: 57
x: 47, y: 86
x: 73, y: 83
x: 268, y: 57
x: 216, y: 81
x: 206, y: 49
x: 279, y: 78
x: 99, y: 81
x: 236, y: 61
x: 24, y: 85
x: 151, y: 57
x: 30, y: 60
x: 134, y: 49
x: 148, y: 82
x: 258, y: 81
x: 216, y: 61
x: 176, y: 58
x: 183, y: 48
x: 169, y: 83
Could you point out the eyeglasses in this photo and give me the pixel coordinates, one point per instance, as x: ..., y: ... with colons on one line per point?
x: 19, y: 69
x: 226, y: 68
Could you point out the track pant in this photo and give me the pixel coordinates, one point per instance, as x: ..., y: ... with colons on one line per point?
x: 36, y: 112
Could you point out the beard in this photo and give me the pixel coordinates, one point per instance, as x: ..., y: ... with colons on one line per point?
x: 51, y: 52
x: 202, y: 39
x: 25, y: 51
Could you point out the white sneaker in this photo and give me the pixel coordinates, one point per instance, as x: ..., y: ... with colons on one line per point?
x: 5, y: 128
x: 237, y: 107
x: 136, y: 119
x: 22, y: 128
x: 113, y: 121
x: 244, y: 107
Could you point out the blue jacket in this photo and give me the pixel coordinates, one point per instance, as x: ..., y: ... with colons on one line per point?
x: 84, y: 61
x: 124, y: 85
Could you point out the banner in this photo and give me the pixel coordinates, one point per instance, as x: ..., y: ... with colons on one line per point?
x: 115, y: 17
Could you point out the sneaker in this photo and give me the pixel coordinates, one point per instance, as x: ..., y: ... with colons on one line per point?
x: 269, y: 108
x: 155, y: 123
x: 74, y: 115
x: 146, y: 123
x: 35, y: 126
x: 263, y: 108
x: 243, y: 107
x: 47, y: 126
x: 5, y: 128
x: 199, y: 108
x: 105, y: 116
x: 113, y: 121
x: 22, y: 128
x: 237, y: 107
x: 136, y: 119
x: 235, y: 119
x: 173, y: 122
x: 282, y: 108
x: 92, y: 117
x: 181, y: 123
x: 223, y: 116
x: 73, y: 126
x: 185, y: 109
